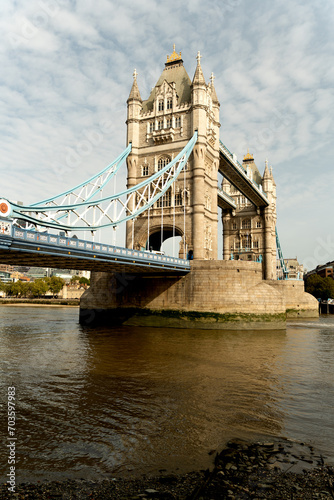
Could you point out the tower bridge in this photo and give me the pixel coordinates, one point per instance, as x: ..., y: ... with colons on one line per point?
x: 173, y: 155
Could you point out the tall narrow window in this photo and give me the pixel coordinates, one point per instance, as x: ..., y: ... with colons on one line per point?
x: 178, y: 122
x: 162, y: 163
x: 151, y: 127
x: 169, y: 103
x: 160, y: 124
x: 145, y: 170
x: 178, y: 199
x: 161, y: 105
x: 169, y: 122
x: 165, y: 200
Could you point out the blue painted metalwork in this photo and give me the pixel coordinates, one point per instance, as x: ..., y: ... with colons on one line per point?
x: 23, y: 240
x: 110, y: 171
x: 147, y: 192
x: 281, y: 258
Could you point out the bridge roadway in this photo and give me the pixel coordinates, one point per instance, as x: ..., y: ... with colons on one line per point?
x: 23, y: 247
x: 235, y: 173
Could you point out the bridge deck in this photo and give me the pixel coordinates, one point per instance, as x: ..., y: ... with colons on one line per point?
x: 23, y: 247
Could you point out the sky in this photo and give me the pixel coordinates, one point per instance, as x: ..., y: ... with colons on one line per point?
x: 66, y: 73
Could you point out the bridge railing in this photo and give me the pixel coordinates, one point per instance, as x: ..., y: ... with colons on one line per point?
x: 96, y: 249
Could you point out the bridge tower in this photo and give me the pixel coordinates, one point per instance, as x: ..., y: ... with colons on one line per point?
x: 249, y: 231
x: 159, y: 128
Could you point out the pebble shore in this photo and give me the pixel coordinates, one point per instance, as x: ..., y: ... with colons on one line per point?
x: 276, y: 470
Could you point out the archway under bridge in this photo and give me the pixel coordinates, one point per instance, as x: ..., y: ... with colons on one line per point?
x: 169, y: 236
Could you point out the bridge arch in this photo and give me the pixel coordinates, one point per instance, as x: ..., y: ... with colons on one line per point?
x: 159, y: 235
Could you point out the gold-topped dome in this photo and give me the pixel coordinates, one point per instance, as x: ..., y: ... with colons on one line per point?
x: 248, y: 156
x: 174, y: 57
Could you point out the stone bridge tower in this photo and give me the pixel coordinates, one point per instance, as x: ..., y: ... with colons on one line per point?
x: 159, y: 128
x: 249, y: 231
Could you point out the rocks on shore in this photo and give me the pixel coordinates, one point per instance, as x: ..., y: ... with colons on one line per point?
x: 280, y: 470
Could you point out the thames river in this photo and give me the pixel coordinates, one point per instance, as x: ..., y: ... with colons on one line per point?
x: 107, y: 402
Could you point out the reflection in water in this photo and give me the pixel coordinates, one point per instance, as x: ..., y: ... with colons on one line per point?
x: 97, y: 403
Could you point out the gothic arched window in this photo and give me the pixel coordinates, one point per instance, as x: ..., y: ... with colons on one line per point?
x: 162, y: 162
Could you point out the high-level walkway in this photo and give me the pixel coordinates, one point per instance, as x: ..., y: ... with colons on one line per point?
x: 235, y: 173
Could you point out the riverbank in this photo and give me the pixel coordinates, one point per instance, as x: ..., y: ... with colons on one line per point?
x: 278, y: 470
x: 40, y: 302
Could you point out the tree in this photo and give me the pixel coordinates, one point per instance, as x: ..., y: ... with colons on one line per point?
x: 84, y: 281
x: 39, y: 287
x: 321, y: 288
x: 56, y: 284
x: 74, y: 279
x: 26, y: 289
x: 16, y: 288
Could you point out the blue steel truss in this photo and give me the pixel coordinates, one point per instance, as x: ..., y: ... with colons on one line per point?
x: 92, y: 186
x: 280, y: 256
x: 94, y: 214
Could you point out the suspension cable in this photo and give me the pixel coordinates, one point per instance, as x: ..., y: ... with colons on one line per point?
x: 162, y: 219
x: 174, y: 197
x: 100, y: 229
x: 184, y: 212
x: 148, y: 230
x: 133, y: 232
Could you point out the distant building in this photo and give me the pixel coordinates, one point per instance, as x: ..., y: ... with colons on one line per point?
x: 37, y: 272
x: 325, y: 270
x: 4, y: 276
x: 6, y: 268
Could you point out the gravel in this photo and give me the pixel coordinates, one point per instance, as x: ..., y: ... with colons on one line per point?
x: 279, y: 470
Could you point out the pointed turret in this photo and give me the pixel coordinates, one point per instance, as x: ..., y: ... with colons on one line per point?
x: 249, y: 164
x: 268, y: 183
x: 213, y: 91
x: 266, y: 174
x: 135, y: 105
x: 198, y: 76
x: 135, y: 94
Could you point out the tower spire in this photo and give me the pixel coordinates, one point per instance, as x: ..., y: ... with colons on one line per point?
x: 134, y: 93
x: 266, y: 170
x: 213, y: 90
x: 198, y: 76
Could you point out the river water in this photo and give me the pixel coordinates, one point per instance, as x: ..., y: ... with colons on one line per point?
x: 124, y: 401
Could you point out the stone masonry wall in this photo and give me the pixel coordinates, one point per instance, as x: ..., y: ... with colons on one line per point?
x: 297, y: 301
x: 215, y: 294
